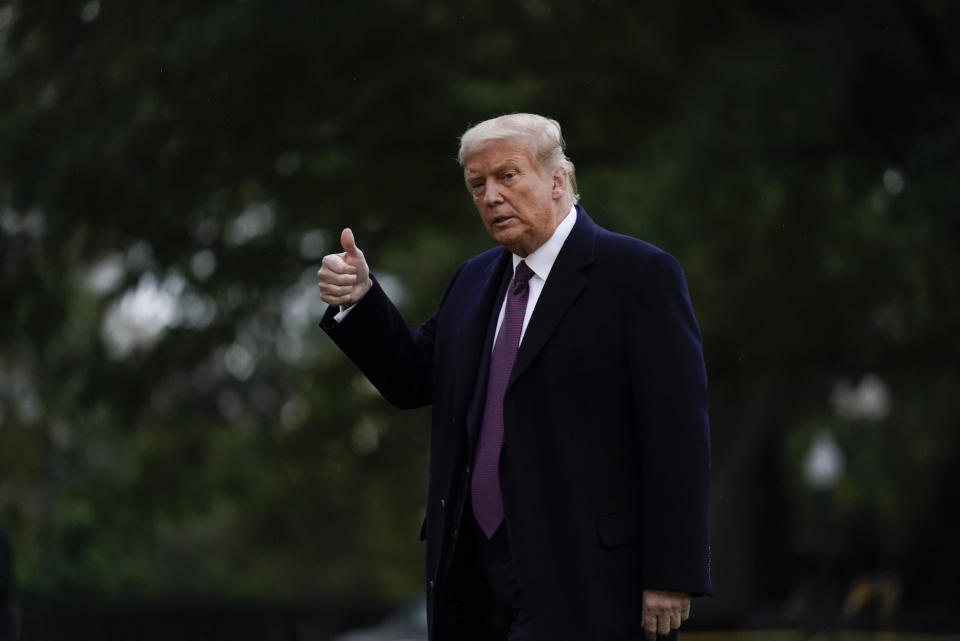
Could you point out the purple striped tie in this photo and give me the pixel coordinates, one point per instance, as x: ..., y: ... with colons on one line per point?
x: 485, y: 484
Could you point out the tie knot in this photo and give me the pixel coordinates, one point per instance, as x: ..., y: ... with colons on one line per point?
x: 523, y: 272
x: 521, y: 276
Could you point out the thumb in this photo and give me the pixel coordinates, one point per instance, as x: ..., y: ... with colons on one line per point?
x: 349, y: 244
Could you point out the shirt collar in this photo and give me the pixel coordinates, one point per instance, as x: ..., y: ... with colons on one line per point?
x: 541, y: 260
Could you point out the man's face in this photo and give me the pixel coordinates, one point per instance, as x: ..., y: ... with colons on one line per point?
x: 519, y: 202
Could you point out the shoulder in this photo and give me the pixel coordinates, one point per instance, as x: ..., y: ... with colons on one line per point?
x: 485, y: 259
x: 631, y: 255
x: 481, y: 265
x: 472, y: 273
x: 614, y: 249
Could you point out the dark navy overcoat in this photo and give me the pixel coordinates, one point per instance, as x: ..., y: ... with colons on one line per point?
x: 605, y: 468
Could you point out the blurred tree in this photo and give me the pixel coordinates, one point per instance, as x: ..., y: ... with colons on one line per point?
x: 171, y: 421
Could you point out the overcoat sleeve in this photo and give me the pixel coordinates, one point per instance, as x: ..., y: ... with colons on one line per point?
x: 396, y: 359
x: 669, y: 379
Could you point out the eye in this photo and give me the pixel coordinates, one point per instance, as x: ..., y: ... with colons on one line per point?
x: 510, y: 175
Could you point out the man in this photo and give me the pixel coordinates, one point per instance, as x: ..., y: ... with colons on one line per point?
x: 569, y: 456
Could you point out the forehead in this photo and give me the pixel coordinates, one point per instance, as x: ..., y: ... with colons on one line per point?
x: 497, y: 154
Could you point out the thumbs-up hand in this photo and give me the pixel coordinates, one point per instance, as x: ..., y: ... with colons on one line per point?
x: 344, y: 278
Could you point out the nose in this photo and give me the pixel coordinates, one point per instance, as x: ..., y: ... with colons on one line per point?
x: 491, y: 193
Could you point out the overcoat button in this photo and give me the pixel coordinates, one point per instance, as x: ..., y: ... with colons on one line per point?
x: 431, y: 584
x: 443, y: 504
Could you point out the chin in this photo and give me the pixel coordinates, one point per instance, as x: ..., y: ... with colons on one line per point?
x: 512, y: 238
x: 510, y: 241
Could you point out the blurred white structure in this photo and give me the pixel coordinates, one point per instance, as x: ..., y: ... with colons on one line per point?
x: 869, y: 399
x: 824, y: 461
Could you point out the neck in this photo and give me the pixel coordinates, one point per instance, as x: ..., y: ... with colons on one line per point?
x: 559, y: 213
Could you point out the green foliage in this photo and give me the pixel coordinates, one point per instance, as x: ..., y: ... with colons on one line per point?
x: 172, y: 421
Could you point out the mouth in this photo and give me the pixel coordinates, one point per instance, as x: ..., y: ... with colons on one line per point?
x: 500, y: 220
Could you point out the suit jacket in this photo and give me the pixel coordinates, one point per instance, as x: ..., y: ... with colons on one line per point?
x: 606, y: 458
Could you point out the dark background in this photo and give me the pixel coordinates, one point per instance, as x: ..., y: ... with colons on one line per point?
x: 176, y: 432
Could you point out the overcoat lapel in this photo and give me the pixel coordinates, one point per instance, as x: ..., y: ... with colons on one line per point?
x: 475, y: 336
x: 562, y: 288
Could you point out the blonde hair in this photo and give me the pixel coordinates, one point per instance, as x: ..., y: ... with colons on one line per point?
x: 540, y: 135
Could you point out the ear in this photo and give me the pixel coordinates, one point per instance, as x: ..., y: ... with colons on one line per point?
x: 559, y: 188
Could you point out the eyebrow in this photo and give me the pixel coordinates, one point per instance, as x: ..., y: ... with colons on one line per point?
x: 509, y: 162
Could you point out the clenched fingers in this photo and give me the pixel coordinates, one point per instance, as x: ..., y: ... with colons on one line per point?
x: 673, y: 623
x: 328, y: 277
x: 327, y: 289
x: 651, y: 627
x: 663, y: 611
x: 663, y: 625
x: 337, y: 264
